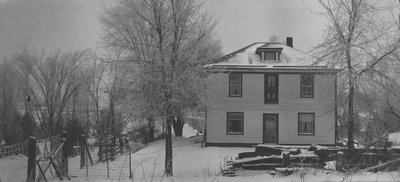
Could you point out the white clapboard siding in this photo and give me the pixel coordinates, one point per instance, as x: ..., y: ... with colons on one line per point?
x: 290, y: 104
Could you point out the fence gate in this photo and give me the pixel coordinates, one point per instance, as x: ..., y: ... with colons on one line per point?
x: 34, y: 160
x: 52, y: 162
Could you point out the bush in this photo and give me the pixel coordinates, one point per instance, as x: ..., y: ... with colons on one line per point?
x: 19, y: 129
x: 13, y: 131
x: 28, y: 125
x: 75, y: 134
x: 141, y: 133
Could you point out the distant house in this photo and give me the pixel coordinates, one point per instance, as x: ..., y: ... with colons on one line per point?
x: 269, y: 93
x: 395, y: 139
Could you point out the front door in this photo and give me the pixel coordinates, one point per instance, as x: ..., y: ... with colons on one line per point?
x: 270, y: 122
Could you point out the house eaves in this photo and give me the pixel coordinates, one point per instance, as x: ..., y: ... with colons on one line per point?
x: 270, y: 68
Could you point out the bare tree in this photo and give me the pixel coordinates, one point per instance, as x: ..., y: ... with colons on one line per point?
x: 8, y: 102
x: 273, y: 38
x: 53, y: 78
x: 384, y: 96
x: 359, y: 39
x: 117, y: 87
x: 162, y: 38
x: 94, y: 74
x: 106, y: 82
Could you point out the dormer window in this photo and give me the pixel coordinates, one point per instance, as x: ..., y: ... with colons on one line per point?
x: 269, y: 54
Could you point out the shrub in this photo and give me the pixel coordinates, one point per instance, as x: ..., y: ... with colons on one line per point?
x: 75, y: 134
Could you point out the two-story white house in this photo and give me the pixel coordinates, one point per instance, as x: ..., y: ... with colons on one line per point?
x: 270, y: 93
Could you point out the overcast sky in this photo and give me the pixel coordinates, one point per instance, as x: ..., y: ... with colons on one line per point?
x: 73, y: 24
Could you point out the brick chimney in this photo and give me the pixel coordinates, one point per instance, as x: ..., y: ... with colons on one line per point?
x: 289, y: 41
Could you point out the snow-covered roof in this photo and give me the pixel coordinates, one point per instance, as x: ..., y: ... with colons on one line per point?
x: 291, y: 59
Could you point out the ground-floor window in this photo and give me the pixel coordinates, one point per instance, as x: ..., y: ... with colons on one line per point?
x: 306, y: 123
x: 235, y: 123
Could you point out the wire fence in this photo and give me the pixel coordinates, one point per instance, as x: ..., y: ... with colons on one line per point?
x: 14, y: 149
x: 100, y: 161
x: 13, y: 158
x: 52, y: 159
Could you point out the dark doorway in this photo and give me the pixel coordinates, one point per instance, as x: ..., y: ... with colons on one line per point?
x: 270, y: 128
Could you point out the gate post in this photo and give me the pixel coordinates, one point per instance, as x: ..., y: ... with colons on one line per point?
x: 31, y: 159
x: 82, y: 143
x: 108, y: 167
x: 64, y: 154
x: 101, y: 151
x: 86, y: 153
x: 130, y: 160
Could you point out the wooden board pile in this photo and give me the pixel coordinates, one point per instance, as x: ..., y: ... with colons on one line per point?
x: 268, y: 157
x: 284, y: 158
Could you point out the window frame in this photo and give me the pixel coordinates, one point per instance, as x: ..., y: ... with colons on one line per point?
x: 227, y: 123
x: 302, y: 86
x: 270, y: 53
x: 275, y: 53
x: 298, y: 124
x: 241, y: 84
x: 276, y: 101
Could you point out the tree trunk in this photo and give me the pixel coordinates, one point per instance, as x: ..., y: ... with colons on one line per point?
x: 113, y: 123
x: 350, y: 139
x: 75, y: 103
x: 168, y: 143
x: 150, y: 127
x: 178, y: 125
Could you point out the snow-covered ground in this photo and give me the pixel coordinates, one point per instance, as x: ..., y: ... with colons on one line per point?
x: 13, y: 168
x: 190, y: 160
x: 190, y: 163
x: 193, y: 163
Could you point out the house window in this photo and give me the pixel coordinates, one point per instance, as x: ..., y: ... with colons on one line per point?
x: 235, y: 123
x: 269, y: 56
x: 306, y: 123
x: 268, y: 53
x: 307, y: 86
x: 271, y: 88
x: 235, y: 85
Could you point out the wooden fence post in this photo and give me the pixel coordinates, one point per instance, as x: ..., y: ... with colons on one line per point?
x: 86, y: 153
x: 82, y: 150
x: 31, y: 177
x: 64, y: 154
x: 108, y: 167
x: 101, y: 151
x: 130, y: 159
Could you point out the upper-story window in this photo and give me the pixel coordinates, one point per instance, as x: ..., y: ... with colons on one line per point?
x: 269, y: 54
x: 235, y: 85
x: 307, y: 86
x: 271, y: 88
